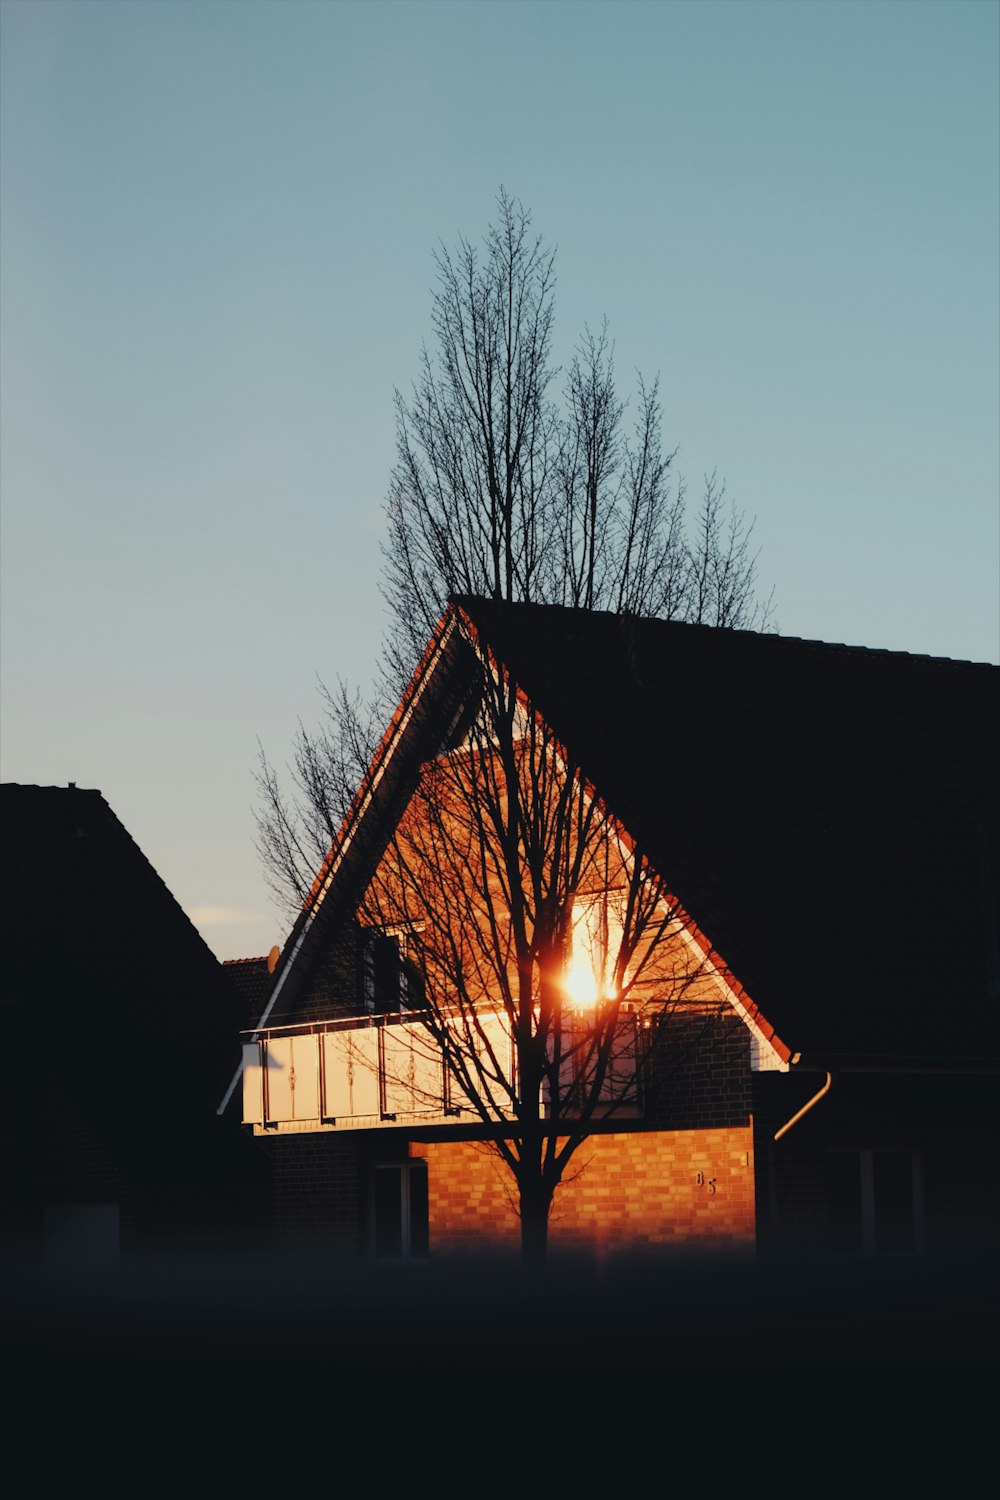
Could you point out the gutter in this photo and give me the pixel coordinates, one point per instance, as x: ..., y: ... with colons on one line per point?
x: 954, y: 1065
x: 945, y: 1067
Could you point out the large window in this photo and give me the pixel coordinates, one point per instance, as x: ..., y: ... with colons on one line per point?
x: 874, y: 1201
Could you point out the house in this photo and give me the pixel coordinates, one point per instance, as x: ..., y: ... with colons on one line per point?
x: 826, y: 820
x: 112, y: 1142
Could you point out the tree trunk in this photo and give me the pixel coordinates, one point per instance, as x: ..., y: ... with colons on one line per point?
x: 535, y: 1202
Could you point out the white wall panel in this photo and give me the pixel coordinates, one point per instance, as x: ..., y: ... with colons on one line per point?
x: 350, y: 1062
x: 292, y: 1078
x: 412, y: 1071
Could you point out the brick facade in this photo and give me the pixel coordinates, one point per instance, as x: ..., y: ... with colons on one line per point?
x: 699, y: 1071
x: 635, y: 1192
x: 334, y: 984
x: 318, y: 1193
x: 683, y: 1178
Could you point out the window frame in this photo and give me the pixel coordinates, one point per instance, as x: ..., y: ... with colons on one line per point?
x: 870, y: 1200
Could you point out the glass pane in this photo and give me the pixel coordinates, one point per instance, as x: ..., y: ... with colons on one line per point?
x: 892, y: 1173
x: 843, y: 1201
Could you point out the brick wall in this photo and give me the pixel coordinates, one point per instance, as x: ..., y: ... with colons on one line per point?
x: 634, y: 1192
x: 631, y: 1190
x: 950, y: 1124
x: 318, y: 1190
x: 699, y: 1071
x: 333, y: 987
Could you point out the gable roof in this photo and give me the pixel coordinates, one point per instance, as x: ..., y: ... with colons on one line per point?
x: 828, y: 815
x: 104, y: 970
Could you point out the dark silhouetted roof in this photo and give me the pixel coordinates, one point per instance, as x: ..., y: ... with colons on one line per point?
x: 105, y: 977
x: 829, y: 815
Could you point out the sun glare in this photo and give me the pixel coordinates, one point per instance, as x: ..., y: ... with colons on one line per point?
x: 596, y: 938
x: 581, y: 986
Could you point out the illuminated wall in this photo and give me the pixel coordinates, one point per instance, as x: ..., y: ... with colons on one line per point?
x: 627, y: 1193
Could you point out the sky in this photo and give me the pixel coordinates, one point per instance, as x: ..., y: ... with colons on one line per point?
x: 217, y: 226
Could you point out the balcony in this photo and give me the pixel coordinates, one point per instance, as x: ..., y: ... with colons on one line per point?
x: 346, y: 1075
x: 386, y: 1072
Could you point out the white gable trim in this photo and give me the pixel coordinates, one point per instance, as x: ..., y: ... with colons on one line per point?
x: 764, y: 1056
x: 357, y: 818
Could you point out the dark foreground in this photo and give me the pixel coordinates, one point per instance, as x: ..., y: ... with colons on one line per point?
x: 894, y: 1345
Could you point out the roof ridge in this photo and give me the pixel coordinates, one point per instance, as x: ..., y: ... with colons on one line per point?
x: 502, y: 606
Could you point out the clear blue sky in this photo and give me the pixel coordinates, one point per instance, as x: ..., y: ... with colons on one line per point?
x: 217, y: 229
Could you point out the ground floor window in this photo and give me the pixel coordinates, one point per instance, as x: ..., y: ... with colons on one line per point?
x: 398, y: 1216
x: 874, y: 1201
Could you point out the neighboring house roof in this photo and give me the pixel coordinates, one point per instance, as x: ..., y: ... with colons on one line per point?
x: 251, y: 978
x: 828, y: 815
x: 106, y: 980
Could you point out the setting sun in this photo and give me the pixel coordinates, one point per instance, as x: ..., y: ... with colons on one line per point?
x: 580, y: 983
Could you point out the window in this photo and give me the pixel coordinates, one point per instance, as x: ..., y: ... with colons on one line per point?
x: 390, y: 981
x: 594, y: 947
x: 874, y: 1201
x: 398, y: 1211
x: 584, y: 1039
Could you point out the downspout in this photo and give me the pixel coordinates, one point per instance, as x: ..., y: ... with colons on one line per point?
x: 809, y: 1104
x: 771, y: 1179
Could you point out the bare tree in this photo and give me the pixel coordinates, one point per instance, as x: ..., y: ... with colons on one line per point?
x: 547, y: 946
x: 501, y: 492
x: 506, y: 869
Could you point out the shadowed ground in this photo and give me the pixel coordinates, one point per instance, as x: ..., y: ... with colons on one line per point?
x: 891, y: 1345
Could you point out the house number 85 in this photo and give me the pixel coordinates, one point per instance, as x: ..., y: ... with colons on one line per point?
x: 704, y: 1181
